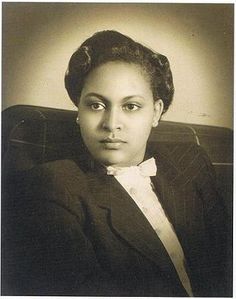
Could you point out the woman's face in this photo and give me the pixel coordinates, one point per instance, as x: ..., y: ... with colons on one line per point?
x: 116, y: 113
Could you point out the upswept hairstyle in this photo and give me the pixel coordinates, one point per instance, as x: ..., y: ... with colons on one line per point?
x: 110, y: 45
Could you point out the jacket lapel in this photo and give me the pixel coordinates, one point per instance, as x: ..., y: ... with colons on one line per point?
x: 168, y: 184
x: 168, y: 192
x: 129, y: 222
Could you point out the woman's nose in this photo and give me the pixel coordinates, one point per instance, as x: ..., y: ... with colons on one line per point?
x: 112, y: 120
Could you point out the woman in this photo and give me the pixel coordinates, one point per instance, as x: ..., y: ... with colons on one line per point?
x: 116, y: 220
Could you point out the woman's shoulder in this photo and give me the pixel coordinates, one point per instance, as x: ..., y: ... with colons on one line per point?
x: 57, y: 176
x: 186, y: 160
x: 56, y: 165
x: 58, y: 169
x: 182, y: 155
x: 60, y: 184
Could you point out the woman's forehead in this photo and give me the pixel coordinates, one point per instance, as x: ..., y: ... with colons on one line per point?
x: 117, y: 77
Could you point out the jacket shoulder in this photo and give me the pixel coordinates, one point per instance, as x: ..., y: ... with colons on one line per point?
x: 188, y: 161
x: 57, y: 166
x: 61, y: 182
x: 58, y: 171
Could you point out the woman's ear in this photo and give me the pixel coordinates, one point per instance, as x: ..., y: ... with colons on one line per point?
x: 158, y: 108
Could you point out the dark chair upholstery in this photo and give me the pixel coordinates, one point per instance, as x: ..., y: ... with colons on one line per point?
x: 32, y: 135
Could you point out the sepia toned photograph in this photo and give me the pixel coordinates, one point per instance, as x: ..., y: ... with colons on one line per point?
x: 117, y: 149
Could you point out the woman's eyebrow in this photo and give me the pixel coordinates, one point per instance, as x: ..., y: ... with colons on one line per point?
x: 103, y: 98
x: 133, y: 96
x: 94, y: 94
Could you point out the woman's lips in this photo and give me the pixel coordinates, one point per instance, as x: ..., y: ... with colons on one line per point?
x: 112, y: 143
x: 112, y: 140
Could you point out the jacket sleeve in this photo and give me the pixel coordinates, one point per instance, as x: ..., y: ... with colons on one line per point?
x: 46, y: 251
x: 217, y: 227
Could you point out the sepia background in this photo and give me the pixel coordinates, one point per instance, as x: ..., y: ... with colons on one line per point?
x: 39, y: 38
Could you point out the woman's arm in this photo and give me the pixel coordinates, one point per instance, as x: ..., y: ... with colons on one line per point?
x: 217, y: 227
x: 45, y: 250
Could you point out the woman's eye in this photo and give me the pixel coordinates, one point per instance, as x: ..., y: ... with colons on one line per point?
x: 131, y: 107
x: 97, y: 106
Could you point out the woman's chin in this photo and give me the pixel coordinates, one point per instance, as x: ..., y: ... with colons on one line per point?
x: 117, y: 158
x: 113, y: 158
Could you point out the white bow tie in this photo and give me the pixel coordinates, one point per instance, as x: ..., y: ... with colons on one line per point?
x: 147, y: 168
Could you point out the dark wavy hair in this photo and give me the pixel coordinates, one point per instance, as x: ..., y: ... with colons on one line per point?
x: 106, y: 46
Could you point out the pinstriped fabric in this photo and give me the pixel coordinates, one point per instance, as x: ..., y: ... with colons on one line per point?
x: 198, y: 220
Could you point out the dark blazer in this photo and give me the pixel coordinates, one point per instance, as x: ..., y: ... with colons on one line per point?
x: 73, y: 230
